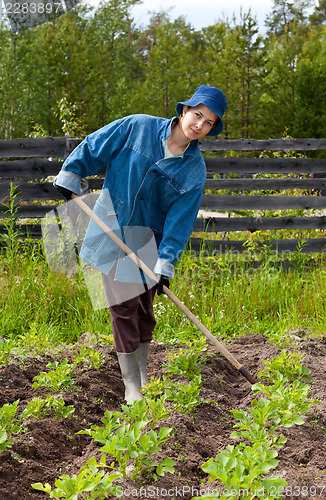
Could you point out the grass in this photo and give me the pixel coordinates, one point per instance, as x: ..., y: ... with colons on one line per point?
x: 41, y: 309
x: 39, y: 305
x: 232, y: 298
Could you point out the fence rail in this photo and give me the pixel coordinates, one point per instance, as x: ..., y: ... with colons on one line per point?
x: 28, y: 163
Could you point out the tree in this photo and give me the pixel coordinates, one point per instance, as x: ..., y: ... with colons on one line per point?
x: 232, y: 59
x: 284, y: 13
x: 112, y: 61
x: 310, y: 88
x: 278, y: 96
x: 318, y: 17
x: 173, y: 67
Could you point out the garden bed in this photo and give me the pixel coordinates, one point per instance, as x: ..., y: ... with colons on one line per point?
x: 49, y: 447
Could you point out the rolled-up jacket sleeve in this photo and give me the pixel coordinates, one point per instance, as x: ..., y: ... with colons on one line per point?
x: 178, y: 227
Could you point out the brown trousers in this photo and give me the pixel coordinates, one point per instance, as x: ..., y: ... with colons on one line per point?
x: 133, y: 319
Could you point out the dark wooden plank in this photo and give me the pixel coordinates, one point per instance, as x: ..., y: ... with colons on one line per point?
x: 46, y: 191
x: 95, y: 183
x: 40, y: 191
x: 217, y: 224
x: 24, y: 148
x: 33, y: 211
x: 211, y: 202
x: 317, y: 245
x: 31, y: 192
x: 265, y: 184
x: 265, y: 165
x: 40, y: 166
x: 243, y: 202
x: 31, y: 168
x: 262, y: 145
x: 71, y: 144
x: 214, y: 224
x: 214, y: 247
x: 26, y: 230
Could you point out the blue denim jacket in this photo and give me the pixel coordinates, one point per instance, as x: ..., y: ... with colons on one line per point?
x: 141, y: 188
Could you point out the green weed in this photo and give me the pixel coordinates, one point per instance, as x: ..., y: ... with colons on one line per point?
x: 41, y: 309
x: 6, y: 347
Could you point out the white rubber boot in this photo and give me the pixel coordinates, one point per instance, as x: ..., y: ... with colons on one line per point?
x: 143, y: 357
x: 129, y: 366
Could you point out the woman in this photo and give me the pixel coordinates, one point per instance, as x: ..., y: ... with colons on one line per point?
x: 155, y: 176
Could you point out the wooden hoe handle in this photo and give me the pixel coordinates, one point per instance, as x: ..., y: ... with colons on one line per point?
x: 220, y: 347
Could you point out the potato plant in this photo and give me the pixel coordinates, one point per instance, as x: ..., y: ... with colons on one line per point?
x: 187, y: 362
x: 242, y: 469
x: 11, y: 423
x: 59, y: 378
x: 88, y: 357
x: 184, y: 396
x: 125, y: 438
x: 5, y: 441
x: 287, y: 364
x: 92, y: 482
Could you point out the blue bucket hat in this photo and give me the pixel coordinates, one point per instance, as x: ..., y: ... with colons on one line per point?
x: 213, y: 98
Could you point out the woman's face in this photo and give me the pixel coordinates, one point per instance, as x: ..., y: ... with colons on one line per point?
x: 197, y: 121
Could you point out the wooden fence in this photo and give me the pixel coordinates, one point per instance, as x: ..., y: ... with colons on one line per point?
x: 29, y: 162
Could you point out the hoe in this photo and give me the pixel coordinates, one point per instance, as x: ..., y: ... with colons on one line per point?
x: 220, y: 348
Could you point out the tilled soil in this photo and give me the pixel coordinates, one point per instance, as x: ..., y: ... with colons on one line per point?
x: 48, y: 448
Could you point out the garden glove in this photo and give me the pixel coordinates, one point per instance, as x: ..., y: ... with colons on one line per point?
x: 66, y: 193
x: 164, y: 280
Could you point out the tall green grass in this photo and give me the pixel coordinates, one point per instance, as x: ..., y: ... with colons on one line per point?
x: 233, y: 298
x: 41, y: 309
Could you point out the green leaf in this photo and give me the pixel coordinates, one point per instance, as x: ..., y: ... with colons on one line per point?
x: 39, y: 486
x: 164, y: 432
x: 235, y: 434
x: 222, y: 458
x: 231, y: 464
x: 297, y: 420
x: 239, y: 414
x: 238, y: 470
x: 167, y: 465
x: 273, y: 482
x: 263, y: 468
